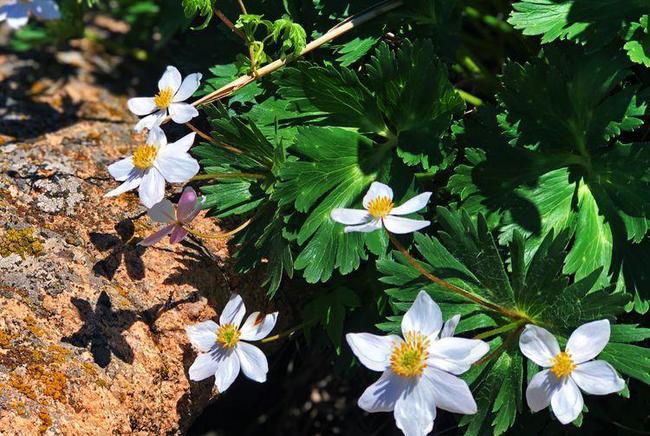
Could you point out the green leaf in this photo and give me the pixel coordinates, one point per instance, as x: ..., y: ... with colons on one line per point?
x: 201, y: 7
x: 329, y: 310
x: 355, y: 49
x: 596, y: 22
x: 330, y: 170
x: 292, y: 35
x: 638, y: 47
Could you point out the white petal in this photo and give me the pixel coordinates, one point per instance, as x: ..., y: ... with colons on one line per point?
x: 538, y: 345
x: 567, y: 401
x: 377, y: 190
x: 400, y: 226
x: 162, y: 212
x: 456, y: 355
x: 233, y: 312
x: 597, y: 378
x: 253, y: 362
x: 157, y: 137
x: 131, y: 183
x: 415, y: 409
x: 182, y: 112
x: 141, y: 105
x: 176, y: 167
x: 203, y: 335
x: 350, y: 216
x: 413, y: 205
x: 151, y: 121
x: 449, y: 328
x: 382, y: 395
x: 189, y: 86
x: 121, y: 170
x: 424, y: 316
x: 227, y: 370
x: 171, y: 78
x: 373, y: 351
x: 364, y: 228
x: 204, y: 366
x: 46, y: 9
x: 254, y: 329
x: 588, y: 340
x: 17, y: 22
x: 540, y: 390
x: 450, y: 393
x: 184, y: 144
x: 152, y: 188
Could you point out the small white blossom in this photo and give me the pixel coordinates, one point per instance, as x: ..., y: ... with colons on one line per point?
x: 568, y: 371
x: 379, y: 212
x: 169, y: 100
x: 17, y: 12
x: 419, y: 371
x: 153, y: 163
x: 223, y: 348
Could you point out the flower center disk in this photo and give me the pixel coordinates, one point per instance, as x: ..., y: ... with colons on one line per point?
x: 144, y: 156
x: 228, y: 336
x: 164, y: 98
x: 380, y: 207
x: 410, y: 357
x: 563, y: 365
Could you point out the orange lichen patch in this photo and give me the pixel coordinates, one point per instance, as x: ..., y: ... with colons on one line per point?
x: 18, y: 407
x: 32, y: 326
x: 46, y: 420
x: 5, y: 339
x: 22, y: 385
x: 57, y: 354
x: 21, y: 242
x: 89, y: 368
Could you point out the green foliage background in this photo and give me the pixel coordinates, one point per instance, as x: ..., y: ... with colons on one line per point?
x: 528, y: 121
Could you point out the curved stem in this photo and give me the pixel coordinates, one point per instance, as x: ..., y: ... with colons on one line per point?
x: 501, y: 348
x: 445, y: 284
x: 211, y: 139
x: 229, y: 24
x: 220, y: 235
x: 347, y: 25
x: 286, y: 333
x: 242, y: 7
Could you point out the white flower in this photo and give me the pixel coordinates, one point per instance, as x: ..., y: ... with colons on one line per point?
x: 419, y: 371
x: 172, y: 92
x: 379, y: 212
x: 222, y: 346
x: 152, y: 164
x: 16, y: 12
x: 568, y: 370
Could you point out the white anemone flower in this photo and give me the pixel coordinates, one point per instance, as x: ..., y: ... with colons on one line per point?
x: 153, y: 163
x: 172, y: 92
x: 17, y: 12
x: 570, y: 371
x: 223, y: 348
x: 419, y: 371
x: 380, y: 212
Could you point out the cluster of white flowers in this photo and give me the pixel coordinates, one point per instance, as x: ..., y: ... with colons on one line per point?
x: 17, y: 12
x: 156, y: 162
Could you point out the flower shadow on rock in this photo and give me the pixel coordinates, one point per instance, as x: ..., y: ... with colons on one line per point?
x: 122, y: 247
x: 102, y: 329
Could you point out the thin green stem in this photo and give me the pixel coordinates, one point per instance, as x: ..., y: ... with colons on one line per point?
x: 499, y: 330
x: 469, y: 98
x: 220, y: 235
x: 501, y: 348
x: 286, y: 333
x: 455, y: 289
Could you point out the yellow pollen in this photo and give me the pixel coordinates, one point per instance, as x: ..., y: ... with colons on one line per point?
x: 410, y: 357
x: 164, y: 98
x: 144, y: 156
x: 562, y: 365
x: 380, y: 207
x: 228, y: 335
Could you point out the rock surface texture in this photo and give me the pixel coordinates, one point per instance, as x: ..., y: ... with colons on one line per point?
x: 92, y: 326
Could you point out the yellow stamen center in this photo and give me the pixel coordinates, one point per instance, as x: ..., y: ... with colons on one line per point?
x: 164, y: 98
x: 410, y: 357
x: 144, y: 156
x: 380, y: 207
x: 563, y: 365
x: 228, y: 335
